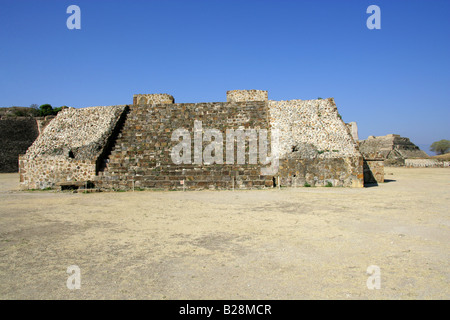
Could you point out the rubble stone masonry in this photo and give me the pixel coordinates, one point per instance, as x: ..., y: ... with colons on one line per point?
x: 69, y: 147
x: 121, y: 147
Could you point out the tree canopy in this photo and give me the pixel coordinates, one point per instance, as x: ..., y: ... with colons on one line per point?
x: 440, y: 147
x: 48, y: 110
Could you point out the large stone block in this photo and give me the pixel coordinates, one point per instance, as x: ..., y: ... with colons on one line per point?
x: 247, y: 95
x: 155, y: 98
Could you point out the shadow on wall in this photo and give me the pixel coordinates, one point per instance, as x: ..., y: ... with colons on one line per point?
x: 373, y: 172
x: 103, y: 158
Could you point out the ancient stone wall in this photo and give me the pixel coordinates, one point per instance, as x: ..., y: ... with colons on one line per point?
x: 47, y: 173
x: 42, y: 122
x: 353, y: 129
x: 296, y: 171
x: 121, y: 148
x: 373, y: 171
x: 69, y: 147
x: 311, y: 127
x: 246, y: 95
x: 16, y: 136
x: 142, y: 158
x: 155, y: 98
x: 315, y: 144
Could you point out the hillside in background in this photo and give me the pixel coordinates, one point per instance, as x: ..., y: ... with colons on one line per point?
x: 442, y: 156
x: 14, y: 112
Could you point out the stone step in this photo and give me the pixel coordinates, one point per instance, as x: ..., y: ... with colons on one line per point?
x: 165, y: 184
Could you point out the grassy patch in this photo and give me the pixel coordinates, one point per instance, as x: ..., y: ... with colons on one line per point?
x: 46, y: 189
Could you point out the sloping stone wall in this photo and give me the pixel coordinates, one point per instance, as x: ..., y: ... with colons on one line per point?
x: 69, y: 147
x: 313, y: 128
x: 76, y: 133
x: 42, y: 122
x: 316, y: 146
x: 16, y: 136
x: 353, y: 128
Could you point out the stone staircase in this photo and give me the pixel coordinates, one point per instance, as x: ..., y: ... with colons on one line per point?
x: 140, y: 157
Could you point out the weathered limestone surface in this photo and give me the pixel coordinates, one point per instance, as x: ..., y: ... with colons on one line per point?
x: 247, y: 95
x: 353, y: 127
x: 313, y: 128
x: 69, y: 147
x: 296, y: 171
x: 42, y: 173
x: 316, y: 146
x: 79, y: 132
x: 155, y: 98
x: 42, y: 122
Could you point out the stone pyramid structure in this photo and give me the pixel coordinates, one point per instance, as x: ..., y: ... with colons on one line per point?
x: 390, y: 147
x: 128, y: 147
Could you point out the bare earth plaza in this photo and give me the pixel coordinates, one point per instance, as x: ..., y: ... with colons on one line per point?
x: 293, y: 243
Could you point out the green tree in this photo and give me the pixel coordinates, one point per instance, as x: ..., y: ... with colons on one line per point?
x: 440, y: 147
x: 48, y: 110
x: 56, y: 110
x: 45, y: 110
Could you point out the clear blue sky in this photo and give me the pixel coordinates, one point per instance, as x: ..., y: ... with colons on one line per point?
x: 393, y: 80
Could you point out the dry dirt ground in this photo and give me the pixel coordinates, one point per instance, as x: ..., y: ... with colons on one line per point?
x: 305, y: 243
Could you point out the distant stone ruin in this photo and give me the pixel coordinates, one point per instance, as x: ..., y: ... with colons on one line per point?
x: 426, y: 163
x: 392, y: 149
x: 129, y: 147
